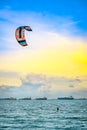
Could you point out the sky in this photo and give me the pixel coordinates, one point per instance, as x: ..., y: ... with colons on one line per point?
x: 54, y: 64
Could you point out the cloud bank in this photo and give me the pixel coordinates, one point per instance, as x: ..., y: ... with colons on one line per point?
x: 35, y: 85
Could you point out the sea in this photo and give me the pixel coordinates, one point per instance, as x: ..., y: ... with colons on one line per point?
x: 43, y: 114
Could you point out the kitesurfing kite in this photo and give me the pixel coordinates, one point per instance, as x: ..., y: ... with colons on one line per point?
x: 20, y: 34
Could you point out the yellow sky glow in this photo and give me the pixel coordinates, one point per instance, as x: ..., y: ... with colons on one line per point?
x: 63, y: 59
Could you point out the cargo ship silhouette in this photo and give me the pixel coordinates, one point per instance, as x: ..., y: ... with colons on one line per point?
x: 66, y: 98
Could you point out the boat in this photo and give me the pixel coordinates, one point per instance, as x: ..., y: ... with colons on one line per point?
x: 66, y: 98
x: 26, y: 98
x: 43, y: 98
x: 11, y: 98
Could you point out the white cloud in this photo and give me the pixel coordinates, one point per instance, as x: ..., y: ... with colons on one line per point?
x: 10, y: 79
x: 36, y: 85
x: 40, y: 25
x: 54, y: 85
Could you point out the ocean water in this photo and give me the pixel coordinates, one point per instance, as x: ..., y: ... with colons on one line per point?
x: 43, y: 115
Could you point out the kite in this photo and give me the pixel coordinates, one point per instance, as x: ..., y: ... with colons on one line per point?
x: 20, y: 34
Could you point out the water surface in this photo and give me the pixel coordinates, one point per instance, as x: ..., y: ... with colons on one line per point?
x: 43, y: 115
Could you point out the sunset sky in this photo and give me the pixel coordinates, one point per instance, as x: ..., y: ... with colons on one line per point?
x: 54, y: 63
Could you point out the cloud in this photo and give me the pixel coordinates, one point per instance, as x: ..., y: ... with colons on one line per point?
x: 36, y: 85
x: 9, y: 79
x: 40, y: 23
x: 52, y: 83
x: 64, y: 25
x: 75, y: 80
x: 50, y: 54
x: 71, y: 86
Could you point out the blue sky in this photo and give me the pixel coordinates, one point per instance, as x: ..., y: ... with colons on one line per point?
x: 75, y: 9
x: 55, y: 62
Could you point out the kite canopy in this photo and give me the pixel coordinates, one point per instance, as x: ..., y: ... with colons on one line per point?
x: 20, y: 34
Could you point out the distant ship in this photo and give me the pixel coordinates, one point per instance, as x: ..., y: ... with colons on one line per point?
x: 11, y: 98
x: 44, y: 98
x: 26, y: 98
x: 66, y: 98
